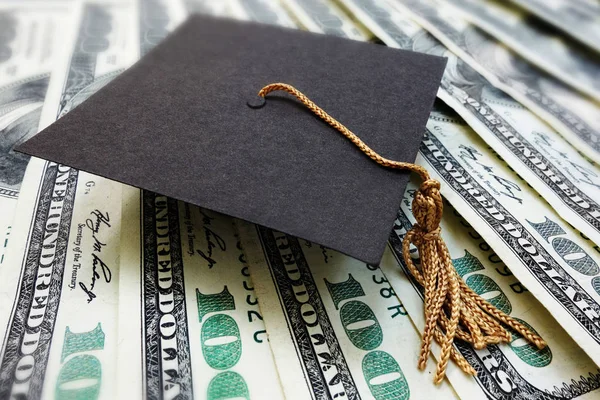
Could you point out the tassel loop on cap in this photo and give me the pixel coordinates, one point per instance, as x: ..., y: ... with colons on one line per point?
x: 452, y: 309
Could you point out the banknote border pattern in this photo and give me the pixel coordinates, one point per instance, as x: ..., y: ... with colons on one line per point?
x: 29, y: 273
x: 296, y: 326
x: 151, y: 316
x: 493, y: 128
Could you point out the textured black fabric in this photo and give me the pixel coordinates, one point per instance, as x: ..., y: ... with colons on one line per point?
x: 178, y: 123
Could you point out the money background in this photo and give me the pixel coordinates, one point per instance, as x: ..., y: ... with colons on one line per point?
x: 123, y: 293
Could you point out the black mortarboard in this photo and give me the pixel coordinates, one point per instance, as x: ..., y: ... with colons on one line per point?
x: 178, y: 123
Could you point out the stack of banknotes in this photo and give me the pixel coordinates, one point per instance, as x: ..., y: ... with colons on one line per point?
x: 109, y: 292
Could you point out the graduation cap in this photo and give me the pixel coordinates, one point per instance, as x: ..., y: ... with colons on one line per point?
x: 178, y: 123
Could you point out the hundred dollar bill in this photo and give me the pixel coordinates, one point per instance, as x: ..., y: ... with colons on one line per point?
x: 193, y: 328
x: 567, y: 60
x: 574, y: 116
x: 33, y: 32
x: 578, y: 18
x: 324, y: 17
x: 336, y: 328
x: 515, y: 371
x: 60, y: 282
x: 556, y: 264
x: 569, y: 182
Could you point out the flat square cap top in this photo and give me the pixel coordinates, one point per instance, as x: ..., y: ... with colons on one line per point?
x: 177, y: 123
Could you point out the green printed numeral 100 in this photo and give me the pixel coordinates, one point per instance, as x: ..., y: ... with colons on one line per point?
x: 80, y: 368
x: 381, y: 371
x: 221, y: 345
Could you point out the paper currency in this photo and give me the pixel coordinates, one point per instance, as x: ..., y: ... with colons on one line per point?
x: 31, y: 43
x: 324, y: 17
x: 60, y: 281
x: 573, y: 116
x: 564, y: 178
x: 192, y: 312
x: 549, y: 257
x: 335, y: 325
x: 566, y: 59
x: 63, y: 290
x: 186, y: 326
x: 515, y: 371
x: 578, y: 18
